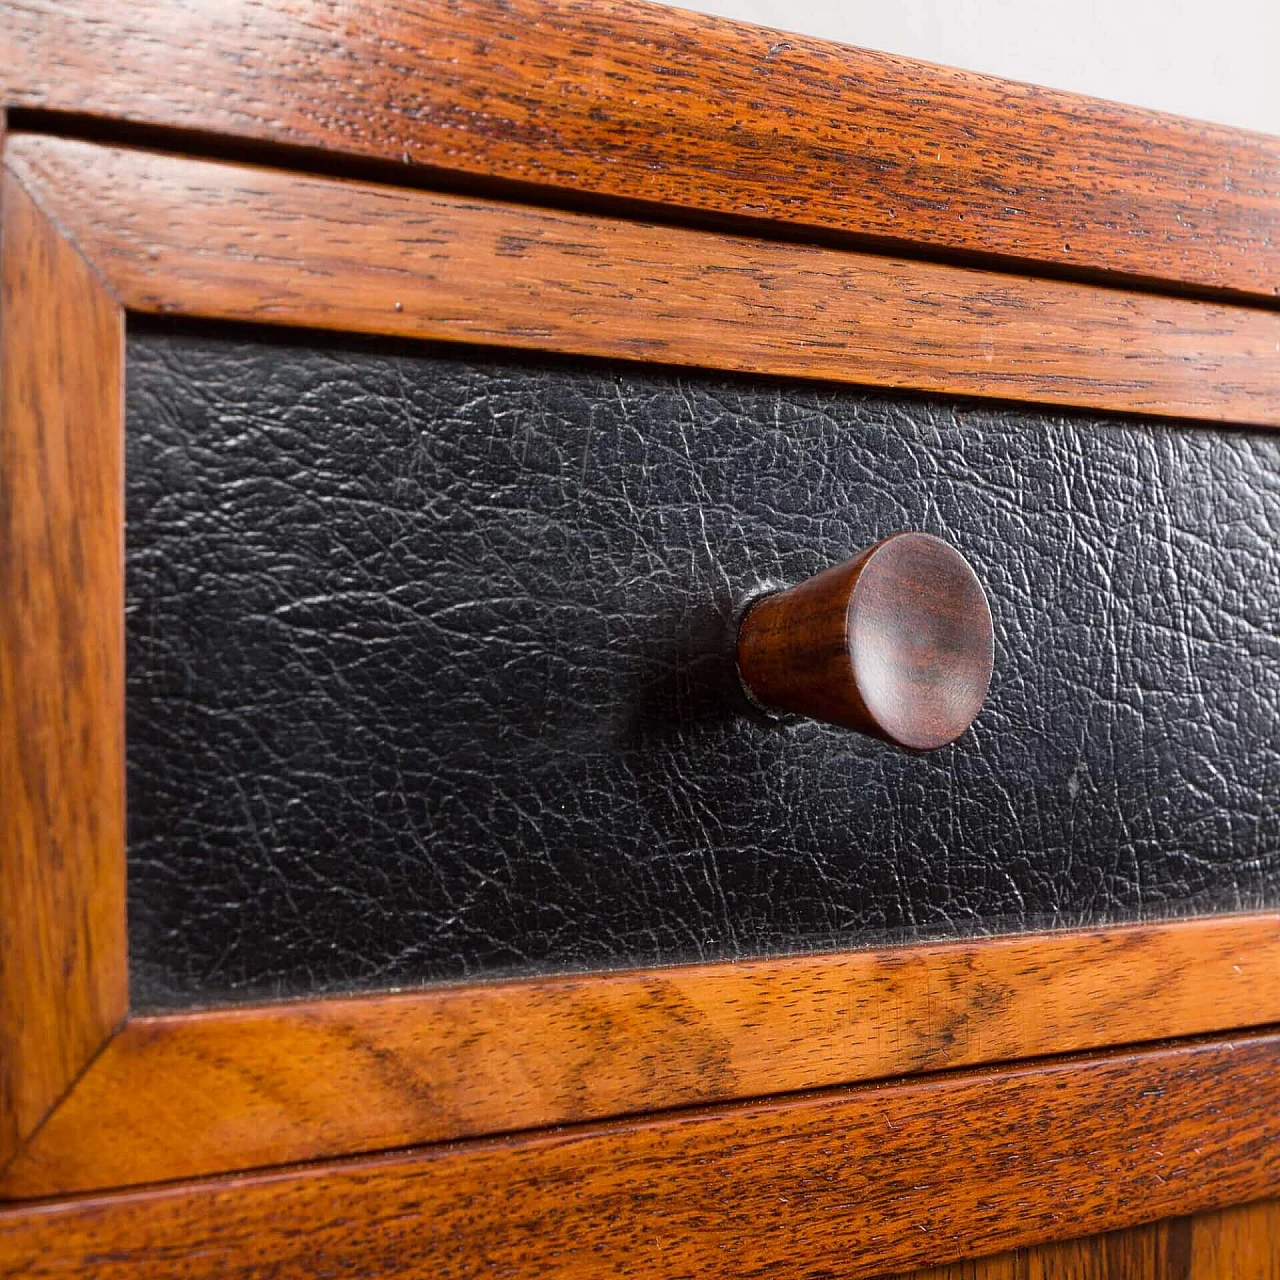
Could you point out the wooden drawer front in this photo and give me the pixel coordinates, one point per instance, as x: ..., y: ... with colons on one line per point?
x: 399, y: 438
x: 378, y: 528
x: 430, y: 675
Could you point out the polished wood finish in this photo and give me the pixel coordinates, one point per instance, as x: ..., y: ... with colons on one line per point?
x: 183, y: 1095
x: 1241, y: 1243
x: 895, y: 642
x: 870, y: 1180
x: 640, y: 103
x: 187, y: 237
x: 235, y: 1089
x: 63, y: 982
x: 613, y: 108
x: 202, y: 1093
x: 1159, y: 1251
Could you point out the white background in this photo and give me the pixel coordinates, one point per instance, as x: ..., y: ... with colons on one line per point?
x: 1211, y: 59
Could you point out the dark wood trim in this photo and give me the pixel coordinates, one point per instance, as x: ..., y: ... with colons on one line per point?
x: 642, y: 103
x: 198, y: 238
x: 859, y: 1181
x: 63, y: 979
x: 185, y: 1095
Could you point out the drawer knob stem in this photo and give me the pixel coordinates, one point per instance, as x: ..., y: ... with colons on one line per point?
x: 896, y: 643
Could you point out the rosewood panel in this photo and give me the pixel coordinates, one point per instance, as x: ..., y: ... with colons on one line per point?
x: 1241, y: 1243
x: 646, y: 104
x: 1160, y: 1251
x: 868, y: 1180
x: 188, y: 237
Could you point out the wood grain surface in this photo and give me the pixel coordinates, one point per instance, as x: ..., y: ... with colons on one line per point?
x: 642, y: 103
x: 854, y: 1183
x: 198, y: 238
x: 1157, y: 1251
x: 63, y: 982
x: 183, y: 1095
x: 1240, y: 1243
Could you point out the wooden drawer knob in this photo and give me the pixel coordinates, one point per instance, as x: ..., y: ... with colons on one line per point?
x: 896, y: 643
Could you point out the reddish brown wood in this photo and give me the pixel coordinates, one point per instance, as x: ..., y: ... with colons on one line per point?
x: 172, y: 1097
x: 63, y: 986
x: 1241, y: 1243
x: 1159, y: 1251
x: 895, y: 642
x: 864, y: 1181
x: 227, y: 242
x: 184, y: 1095
x: 644, y: 103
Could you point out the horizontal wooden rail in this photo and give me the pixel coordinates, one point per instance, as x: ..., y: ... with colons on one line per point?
x: 855, y: 1183
x: 186, y: 1094
x: 643, y: 103
x: 196, y: 238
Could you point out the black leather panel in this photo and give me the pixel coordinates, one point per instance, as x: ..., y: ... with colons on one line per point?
x: 429, y: 674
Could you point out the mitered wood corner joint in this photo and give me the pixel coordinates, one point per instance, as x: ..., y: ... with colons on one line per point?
x: 896, y: 643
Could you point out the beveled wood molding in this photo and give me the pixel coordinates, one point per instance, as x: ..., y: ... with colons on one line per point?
x: 63, y: 972
x: 860, y: 1182
x: 228, y: 242
x: 91, y: 231
x: 183, y: 1095
x: 644, y: 104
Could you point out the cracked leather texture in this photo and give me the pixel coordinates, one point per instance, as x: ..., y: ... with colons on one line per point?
x: 429, y: 673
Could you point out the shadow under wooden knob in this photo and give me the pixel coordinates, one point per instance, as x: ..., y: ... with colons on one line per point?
x: 896, y: 643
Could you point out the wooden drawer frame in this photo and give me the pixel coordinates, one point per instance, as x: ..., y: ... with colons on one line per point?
x: 93, y: 1098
